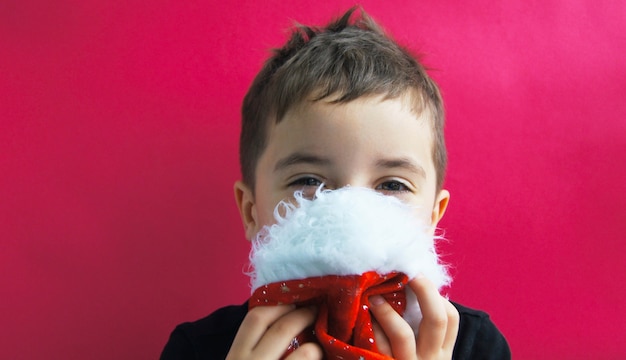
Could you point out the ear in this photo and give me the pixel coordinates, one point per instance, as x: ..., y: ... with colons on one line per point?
x: 441, y: 203
x: 244, y: 197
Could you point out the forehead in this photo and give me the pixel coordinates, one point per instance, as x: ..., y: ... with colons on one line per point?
x: 410, y: 103
x: 367, y: 123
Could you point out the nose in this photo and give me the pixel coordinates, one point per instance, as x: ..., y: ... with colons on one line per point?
x: 334, y: 185
x: 354, y: 180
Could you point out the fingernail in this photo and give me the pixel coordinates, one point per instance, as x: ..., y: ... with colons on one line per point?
x: 376, y: 300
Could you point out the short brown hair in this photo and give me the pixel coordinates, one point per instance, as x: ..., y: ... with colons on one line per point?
x: 347, y: 59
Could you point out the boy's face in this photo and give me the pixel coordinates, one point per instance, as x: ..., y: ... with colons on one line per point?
x: 368, y: 142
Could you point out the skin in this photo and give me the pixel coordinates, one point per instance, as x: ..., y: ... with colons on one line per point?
x: 368, y: 142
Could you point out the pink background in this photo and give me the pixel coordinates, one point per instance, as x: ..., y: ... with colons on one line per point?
x: 118, y: 141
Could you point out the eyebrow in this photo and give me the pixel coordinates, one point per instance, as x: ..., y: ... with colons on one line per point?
x: 403, y: 163
x: 300, y: 158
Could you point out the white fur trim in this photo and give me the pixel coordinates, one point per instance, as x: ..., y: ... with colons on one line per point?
x: 347, y: 231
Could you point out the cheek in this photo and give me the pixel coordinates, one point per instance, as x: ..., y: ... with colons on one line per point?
x: 425, y: 216
x: 424, y: 210
x: 266, y: 208
x: 265, y: 211
x: 265, y: 214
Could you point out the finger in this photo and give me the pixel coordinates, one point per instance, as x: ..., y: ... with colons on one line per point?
x: 382, y: 343
x: 398, y: 331
x: 280, y: 334
x: 307, y: 351
x: 433, y: 327
x: 453, y: 327
x: 253, y: 327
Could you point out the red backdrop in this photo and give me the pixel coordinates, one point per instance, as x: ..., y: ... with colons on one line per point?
x: 118, y: 141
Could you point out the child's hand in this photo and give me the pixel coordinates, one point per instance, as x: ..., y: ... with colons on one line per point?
x: 437, y: 330
x: 267, y: 331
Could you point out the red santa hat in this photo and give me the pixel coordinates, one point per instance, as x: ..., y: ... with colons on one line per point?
x: 334, y: 252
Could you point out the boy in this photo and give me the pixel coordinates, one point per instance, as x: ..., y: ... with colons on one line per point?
x: 341, y: 106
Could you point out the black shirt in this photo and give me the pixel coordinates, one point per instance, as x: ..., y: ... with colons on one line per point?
x: 211, y: 337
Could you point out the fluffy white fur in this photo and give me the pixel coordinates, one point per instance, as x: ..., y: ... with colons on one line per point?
x: 347, y: 231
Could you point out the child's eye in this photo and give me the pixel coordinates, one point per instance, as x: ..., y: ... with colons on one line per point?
x: 392, y: 186
x: 306, y: 181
